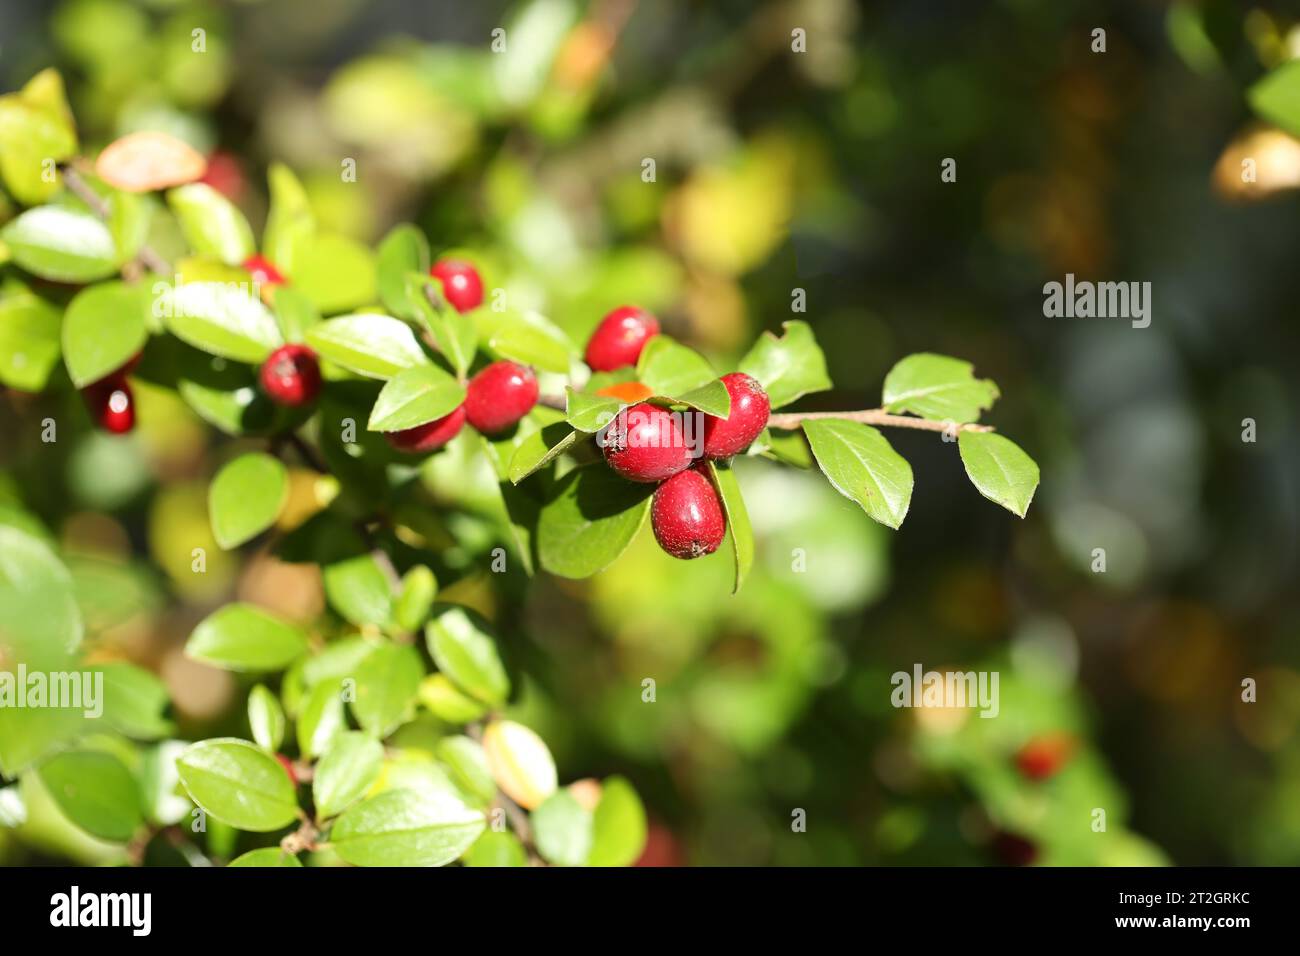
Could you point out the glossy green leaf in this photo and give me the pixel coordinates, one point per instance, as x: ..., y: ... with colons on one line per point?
x: 672, y: 369
x: 266, y: 856
x: 415, y: 598
x: 406, y: 828
x: 562, y: 830
x: 938, y: 387
x: 527, y: 337
x: 134, y: 701
x: 456, y: 335
x: 387, y: 683
x: 467, y: 768
x: 60, y: 244
x: 618, y: 825
x: 739, y: 530
x: 104, y: 327
x: 539, y: 448
x: 712, y: 398
x: 464, y: 647
x: 241, y: 637
x: 266, y: 719
x: 29, y: 341
x: 289, y: 218
x: 788, y: 367
x: 345, y: 772
x: 321, y: 718
x: 368, y: 343
x: 413, y: 397
x: 497, y: 848
x: 589, y: 520
x: 404, y: 250
x: 294, y: 313
x: 359, y: 590
x: 860, y: 464
x: 246, y: 498
x: 1276, y: 97
x: 590, y: 413
x: 448, y: 702
x: 999, y: 469
x: 238, y: 784
x: 222, y: 318
x: 212, y: 224
x: 96, y: 792
x: 337, y: 273
x: 36, y: 132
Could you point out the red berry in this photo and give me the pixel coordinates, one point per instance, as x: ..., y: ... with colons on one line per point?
x: 287, y: 764
x: 499, y: 396
x: 1041, y: 757
x: 430, y: 436
x: 262, y: 271
x: 724, y: 437
x: 646, y: 443
x: 225, y: 175
x: 620, y: 337
x: 1014, y: 850
x: 461, y: 285
x: 111, y: 404
x: 687, y: 516
x: 291, y: 376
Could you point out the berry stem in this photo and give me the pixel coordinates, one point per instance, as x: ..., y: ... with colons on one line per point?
x: 81, y: 189
x: 873, y: 416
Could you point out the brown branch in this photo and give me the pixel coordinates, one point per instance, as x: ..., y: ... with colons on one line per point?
x: 147, y: 257
x: 874, y: 416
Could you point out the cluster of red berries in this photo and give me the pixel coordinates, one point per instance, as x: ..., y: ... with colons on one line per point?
x: 648, y: 443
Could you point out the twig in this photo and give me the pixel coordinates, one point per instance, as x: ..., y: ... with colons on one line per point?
x: 81, y: 189
x: 307, y: 453
x: 874, y: 416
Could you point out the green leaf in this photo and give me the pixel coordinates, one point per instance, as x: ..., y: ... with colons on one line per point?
x: 672, y: 369
x: 527, y: 337
x: 104, y: 327
x: 29, y: 341
x: 619, y: 825
x: 739, y: 529
x: 36, y: 131
x: 999, y: 469
x: 464, y: 647
x: 589, y: 520
x: 448, y: 702
x: 387, y: 683
x: 590, y: 413
x: 711, y: 398
x: 129, y: 219
x: 368, y: 343
x: 266, y: 856
x: 63, y: 245
x: 467, y: 767
x: 539, y: 448
x: 497, y: 848
x: 246, y: 498
x: 456, y: 335
x: 96, y: 792
x: 134, y: 701
x: 413, y: 397
x: 359, y: 590
x: 404, y: 250
x: 787, y: 367
x: 335, y: 272
x: 266, y: 718
x: 241, y: 637
x: 938, y: 387
x: 345, y: 772
x: 1276, y: 97
x: 562, y: 830
x: 221, y: 318
x: 860, y: 464
x: 419, y: 588
x: 321, y: 718
x: 789, y: 447
x: 294, y: 313
x: 212, y: 225
x: 405, y: 828
x: 238, y: 784
x: 289, y: 218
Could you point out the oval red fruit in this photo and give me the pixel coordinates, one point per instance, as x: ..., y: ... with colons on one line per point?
x: 499, y: 396
x: 112, y: 405
x: 750, y: 407
x: 430, y: 436
x: 620, y: 337
x: 645, y: 443
x: 291, y: 376
x: 461, y: 285
x: 1043, y: 756
x: 263, y: 271
x: 687, y: 516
